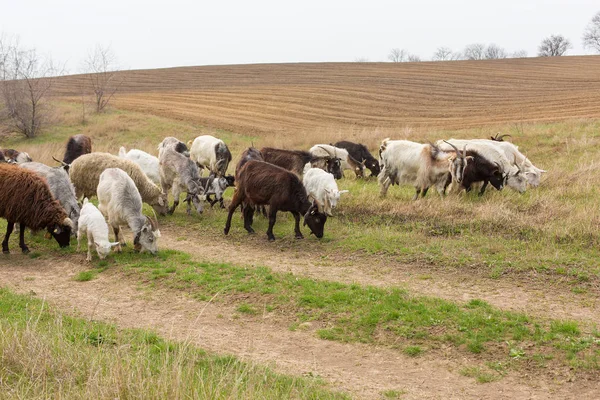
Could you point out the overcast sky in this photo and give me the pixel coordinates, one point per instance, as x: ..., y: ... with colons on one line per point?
x: 152, y: 34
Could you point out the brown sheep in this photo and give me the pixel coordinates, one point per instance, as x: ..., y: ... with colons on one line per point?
x: 26, y: 199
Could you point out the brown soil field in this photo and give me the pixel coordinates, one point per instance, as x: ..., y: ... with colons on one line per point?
x: 264, y: 99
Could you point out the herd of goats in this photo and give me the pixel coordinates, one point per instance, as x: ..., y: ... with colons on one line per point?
x: 37, y: 196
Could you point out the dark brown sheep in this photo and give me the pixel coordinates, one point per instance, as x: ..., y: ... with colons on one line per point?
x: 26, y: 199
x: 77, y: 145
x: 261, y: 183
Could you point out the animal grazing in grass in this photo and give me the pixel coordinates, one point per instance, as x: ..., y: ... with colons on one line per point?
x: 420, y: 165
x: 321, y: 186
x: 93, y: 225
x: 120, y: 202
x: 85, y: 175
x: 346, y: 160
x: 147, y: 162
x: 261, y: 183
x: 180, y: 173
x: 25, y: 198
x: 216, y: 186
x: 60, y: 186
x: 211, y: 153
x: 77, y: 146
x: 13, y: 156
x: 361, y: 154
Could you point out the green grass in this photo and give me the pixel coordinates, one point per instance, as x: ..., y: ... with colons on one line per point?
x: 85, y: 276
x: 44, y: 354
x: 413, y: 351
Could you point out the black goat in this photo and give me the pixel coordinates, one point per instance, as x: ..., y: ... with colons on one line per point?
x: 360, y: 153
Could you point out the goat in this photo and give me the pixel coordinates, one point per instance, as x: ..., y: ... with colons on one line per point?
x: 92, y: 223
x: 60, y: 186
x: 147, y: 162
x: 13, y: 156
x: 347, y: 161
x: 261, y: 183
x: 180, y: 173
x: 211, y: 153
x: 217, y: 186
x: 491, y: 151
x: 25, y: 198
x: 321, y: 186
x: 85, y: 175
x: 297, y: 161
x: 121, y: 202
x: 420, y: 165
x: 469, y: 167
x: 251, y: 153
x: 175, y: 144
x: 361, y: 154
x: 77, y: 146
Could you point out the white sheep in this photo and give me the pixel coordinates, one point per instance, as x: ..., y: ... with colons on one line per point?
x: 147, y: 162
x: 320, y: 186
x: 92, y: 223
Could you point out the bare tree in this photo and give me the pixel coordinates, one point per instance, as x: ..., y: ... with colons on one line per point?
x: 591, y: 36
x: 414, y: 58
x: 100, y: 65
x: 519, y: 54
x: 475, y: 51
x: 445, y: 54
x: 398, y: 55
x: 554, y: 46
x: 26, y: 82
x: 494, y: 52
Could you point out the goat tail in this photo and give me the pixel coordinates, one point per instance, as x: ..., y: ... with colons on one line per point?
x: 122, y: 152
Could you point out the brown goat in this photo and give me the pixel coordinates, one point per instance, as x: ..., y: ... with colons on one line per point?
x: 261, y: 183
x: 77, y: 145
x: 251, y: 153
x: 291, y: 160
x: 26, y: 199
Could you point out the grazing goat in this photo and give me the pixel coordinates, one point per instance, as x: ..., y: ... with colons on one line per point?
x: 321, y: 186
x: 469, y: 167
x: 77, y: 146
x: 26, y: 199
x: 85, y: 175
x: 217, y: 186
x: 261, y: 183
x: 60, y: 186
x: 297, y: 161
x: 180, y: 173
x: 94, y: 226
x: 492, y: 152
x: 120, y: 201
x: 175, y: 144
x: 211, y: 153
x: 16, y: 157
x: 420, y: 165
x: 147, y: 162
x: 347, y: 161
x: 361, y: 154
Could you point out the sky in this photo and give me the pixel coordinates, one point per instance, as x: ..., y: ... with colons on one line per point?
x: 156, y: 34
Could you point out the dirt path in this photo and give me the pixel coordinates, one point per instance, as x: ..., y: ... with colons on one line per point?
x: 364, y: 371
x: 534, y: 296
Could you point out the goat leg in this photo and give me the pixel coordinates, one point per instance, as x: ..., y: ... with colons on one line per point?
x: 482, y: 191
x: 9, y: 228
x: 22, y: 244
x: 248, y: 218
x: 296, y: 215
x: 272, y: 219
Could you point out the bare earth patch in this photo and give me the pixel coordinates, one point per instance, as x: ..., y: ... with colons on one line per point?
x: 362, y: 370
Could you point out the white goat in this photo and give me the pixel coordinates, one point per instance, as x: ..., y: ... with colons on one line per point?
x: 516, y: 180
x: 121, y: 203
x: 92, y: 223
x: 347, y: 161
x: 210, y: 152
x: 147, y: 162
x: 320, y: 186
x: 420, y: 165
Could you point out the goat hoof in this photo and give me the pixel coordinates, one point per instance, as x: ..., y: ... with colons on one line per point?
x: 5, y: 251
x: 299, y: 237
x: 226, y: 231
x: 25, y: 250
x: 271, y: 238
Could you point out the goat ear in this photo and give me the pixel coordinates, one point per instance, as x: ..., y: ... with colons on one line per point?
x: 136, y: 239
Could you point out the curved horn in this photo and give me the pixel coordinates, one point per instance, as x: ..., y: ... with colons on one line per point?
x: 328, y: 152
x: 154, y: 222
x: 455, y: 148
x: 516, y: 163
x: 64, y: 164
x: 465, y: 151
x: 501, y: 138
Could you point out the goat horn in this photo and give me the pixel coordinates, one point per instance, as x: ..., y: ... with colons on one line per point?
x: 465, y: 151
x: 64, y: 164
x: 328, y: 152
x: 501, y: 138
x: 455, y: 148
x: 516, y: 163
